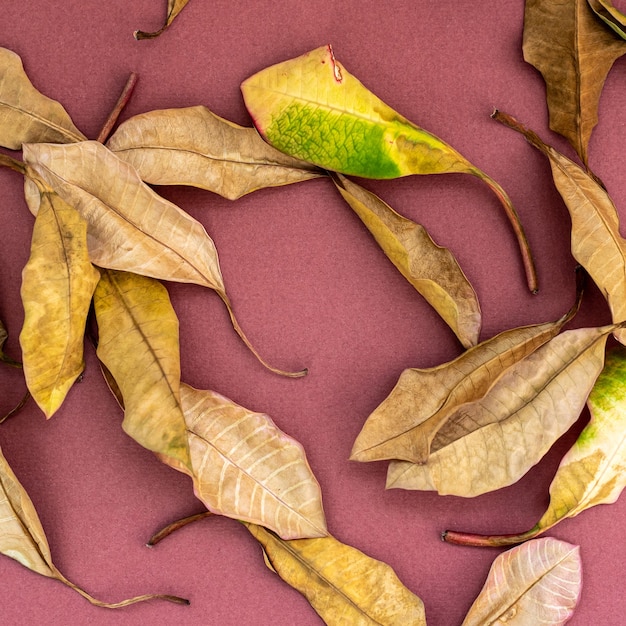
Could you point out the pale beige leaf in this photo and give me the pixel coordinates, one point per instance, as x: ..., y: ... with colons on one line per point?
x: 26, y: 115
x: 245, y: 467
x: 57, y: 285
x: 138, y: 343
x: 195, y: 147
x: 536, y: 583
x: 431, y: 269
x: 492, y: 442
x: 343, y: 585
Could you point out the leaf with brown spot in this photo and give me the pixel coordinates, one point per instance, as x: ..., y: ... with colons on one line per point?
x: 574, y: 53
x: 195, y: 147
x: 431, y: 269
x: 26, y: 115
x: 174, y: 7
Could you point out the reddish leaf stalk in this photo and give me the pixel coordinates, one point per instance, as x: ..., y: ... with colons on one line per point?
x: 488, y: 541
x: 170, y: 528
x: 122, y: 101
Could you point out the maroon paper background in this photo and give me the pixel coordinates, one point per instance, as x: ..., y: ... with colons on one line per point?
x: 312, y: 289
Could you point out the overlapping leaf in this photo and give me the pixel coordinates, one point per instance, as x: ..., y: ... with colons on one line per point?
x: 57, y: 285
x: 343, y: 585
x: 138, y: 343
x: 404, y: 425
x: 613, y: 18
x: 174, y: 7
x: 574, y: 53
x: 492, y: 442
x: 536, y: 583
x: 596, y: 241
x: 26, y: 115
x: 247, y: 468
x: 311, y: 108
x: 195, y: 147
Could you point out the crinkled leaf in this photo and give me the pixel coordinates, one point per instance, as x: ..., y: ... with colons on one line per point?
x: 406, y: 422
x: 536, y: 583
x: 343, y: 585
x: 195, y: 147
x: 596, y: 241
x: 492, y: 442
x: 431, y: 269
x: 26, y: 115
x: 57, y: 285
x: 174, y: 7
x: 138, y: 343
x: 311, y: 108
x: 613, y: 18
x: 574, y: 53
x: 247, y: 468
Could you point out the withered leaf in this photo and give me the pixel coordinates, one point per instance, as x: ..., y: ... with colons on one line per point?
x: 596, y: 241
x: 22, y: 537
x: 574, y: 53
x: 343, y: 585
x: 174, y: 7
x: 536, y: 583
x: 138, y: 343
x: 26, y: 115
x: 245, y: 467
x: 431, y: 269
x: 492, y: 442
x: 195, y: 147
x: 613, y: 18
x: 57, y: 285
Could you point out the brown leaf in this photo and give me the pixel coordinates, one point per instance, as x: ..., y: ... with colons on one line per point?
x: 174, y: 7
x: 574, y: 53
x: 492, y: 442
x: 343, y: 585
x: 195, y: 147
x: 431, y: 269
x: 536, y: 583
x: 26, y: 115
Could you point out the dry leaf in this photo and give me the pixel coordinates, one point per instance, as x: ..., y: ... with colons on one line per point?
x: 492, y: 442
x: 574, y: 53
x: 57, y: 285
x: 431, y: 269
x: 311, y: 108
x: 26, y: 115
x: 138, y: 343
x: 596, y: 241
x: 613, y: 18
x: 536, y: 583
x: 174, y: 7
x: 343, y: 585
x: 195, y: 147
x: 246, y: 468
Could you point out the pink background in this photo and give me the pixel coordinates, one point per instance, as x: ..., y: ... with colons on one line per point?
x: 312, y: 289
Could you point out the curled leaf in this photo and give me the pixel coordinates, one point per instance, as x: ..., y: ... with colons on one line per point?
x: 536, y: 583
x: 574, y: 54
x: 343, y: 585
x: 613, y: 18
x: 138, y: 343
x: 57, y: 285
x: 311, y: 108
x: 431, y: 269
x: 174, y: 7
x: 492, y: 442
x: 195, y: 147
x: 26, y: 115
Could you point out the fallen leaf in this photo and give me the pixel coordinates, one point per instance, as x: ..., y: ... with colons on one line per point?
x: 246, y: 468
x: 138, y: 343
x: 596, y: 241
x: 492, y: 442
x: 536, y: 583
x: 406, y: 422
x: 613, y: 18
x: 26, y: 115
x: 195, y: 147
x: 174, y: 7
x: 431, y: 269
x: 58, y: 282
x: 22, y: 537
x: 343, y: 585
x: 311, y: 108
x: 574, y: 54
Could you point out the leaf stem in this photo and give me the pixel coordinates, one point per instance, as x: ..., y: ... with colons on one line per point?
x: 488, y: 541
x: 13, y: 164
x: 122, y: 101
x: 17, y: 409
x: 170, y: 528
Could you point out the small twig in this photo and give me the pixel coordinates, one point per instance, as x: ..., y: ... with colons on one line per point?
x: 17, y: 409
x: 122, y: 101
